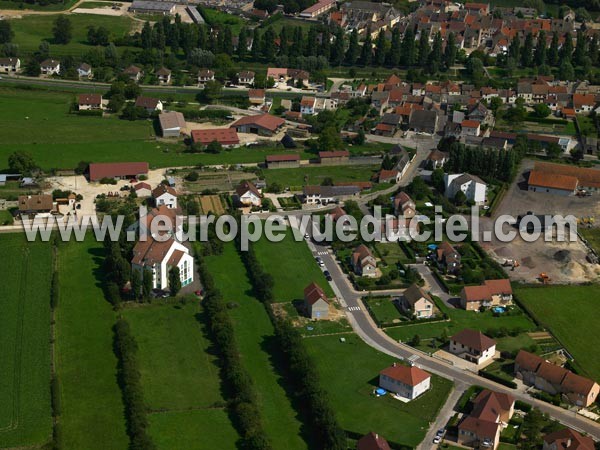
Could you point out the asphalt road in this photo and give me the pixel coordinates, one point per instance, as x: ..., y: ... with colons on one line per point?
x: 364, y: 326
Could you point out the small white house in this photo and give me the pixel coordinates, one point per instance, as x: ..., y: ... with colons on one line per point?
x: 406, y: 381
x: 248, y: 194
x: 10, y: 65
x: 143, y: 190
x: 473, y: 187
x: 307, y: 105
x: 50, y: 67
x: 165, y: 195
x: 160, y: 257
x: 473, y: 346
x: 85, y: 71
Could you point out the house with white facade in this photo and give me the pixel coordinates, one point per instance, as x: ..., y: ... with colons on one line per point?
x: 406, y: 381
x: 473, y: 187
x: 165, y: 195
x: 159, y: 257
x: 10, y: 65
x: 50, y: 67
x: 417, y: 302
x: 473, y: 346
x: 247, y: 194
x: 307, y: 105
x: 85, y: 71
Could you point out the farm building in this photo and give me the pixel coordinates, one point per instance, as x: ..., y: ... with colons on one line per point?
x: 123, y: 171
x: 227, y: 137
x: 172, y: 124
x: 264, y: 124
x: 282, y: 161
x: 334, y: 157
x: 152, y: 7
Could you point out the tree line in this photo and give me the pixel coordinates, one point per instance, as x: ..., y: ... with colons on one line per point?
x: 242, y: 402
x: 307, y: 386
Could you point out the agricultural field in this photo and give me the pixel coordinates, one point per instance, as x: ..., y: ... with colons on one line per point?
x: 296, y: 178
x: 558, y: 308
x: 25, y: 415
x: 255, y: 338
x: 92, y: 408
x: 350, y: 377
x: 219, y: 180
x: 33, y: 29
x: 16, y: 4
x: 211, y: 204
x: 60, y: 135
x: 180, y: 377
x: 292, y: 266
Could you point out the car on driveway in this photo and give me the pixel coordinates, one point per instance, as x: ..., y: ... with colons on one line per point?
x: 437, y: 440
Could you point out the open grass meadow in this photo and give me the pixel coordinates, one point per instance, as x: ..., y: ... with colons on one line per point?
x: 92, y: 409
x: 33, y: 29
x: 350, y: 371
x: 38, y: 121
x: 25, y: 415
x: 258, y: 349
x: 571, y: 314
x: 292, y: 266
x: 180, y: 378
x: 15, y: 4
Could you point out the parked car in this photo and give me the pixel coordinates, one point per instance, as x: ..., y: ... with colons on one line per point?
x: 437, y: 440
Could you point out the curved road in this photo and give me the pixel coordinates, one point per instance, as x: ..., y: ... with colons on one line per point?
x: 364, y: 326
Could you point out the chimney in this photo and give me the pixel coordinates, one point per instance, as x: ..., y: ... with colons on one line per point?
x: 394, y: 365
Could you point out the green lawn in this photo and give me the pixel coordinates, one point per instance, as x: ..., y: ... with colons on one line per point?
x: 180, y: 377
x: 192, y: 430
x: 92, y: 408
x: 94, y: 5
x: 349, y: 372
x: 256, y: 341
x: 6, y: 218
x: 315, y: 175
x: 292, y: 266
x: 217, y: 18
x: 31, y: 30
x: 383, y: 309
x: 461, y: 319
x: 15, y: 4
x: 571, y: 314
x: 25, y: 415
x: 62, y: 140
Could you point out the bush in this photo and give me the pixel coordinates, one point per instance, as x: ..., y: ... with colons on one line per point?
x: 192, y: 176
x: 521, y: 405
x: 107, y: 180
x: 498, y: 379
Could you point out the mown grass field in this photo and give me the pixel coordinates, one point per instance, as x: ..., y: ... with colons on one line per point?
x: 33, y: 29
x: 571, y: 314
x: 180, y: 378
x: 292, y: 266
x: 38, y: 121
x: 315, y: 175
x: 256, y: 341
x: 92, y: 408
x: 61, y: 6
x: 25, y: 415
x: 350, y: 371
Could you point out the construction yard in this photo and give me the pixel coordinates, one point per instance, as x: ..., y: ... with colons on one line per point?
x: 562, y: 262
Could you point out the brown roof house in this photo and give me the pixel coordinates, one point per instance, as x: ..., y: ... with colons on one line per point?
x: 404, y: 205
x: 491, y: 413
x: 50, y: 67
x: 160, y: 256
x: 372, y: 441
x: 36, y: 204
x: 334, y: 157
x: 142, y: 189
x: 123, y: 171
x: 290, y: 160
x: 134, y: 73
x: 545, y: 376
x: 163, y: 75
x: 257, y: 96
x: 567, y: 439
x: 448, y: 257
x: 473, y: 346
x: 491, y: 293
x: 172, y: 124
x: 315, y: 302
x: 88, y: 102
x: 406, y: 381
x: 149, y: 104
x: 247, y: 194
x: 363, y: 262
x: 416, y: 301
x: 165, y: 195
x: 205, y: 75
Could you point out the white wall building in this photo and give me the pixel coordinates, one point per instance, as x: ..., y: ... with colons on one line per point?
x: 160, y: 257
x: 473, y: 187
x: 406, y: 381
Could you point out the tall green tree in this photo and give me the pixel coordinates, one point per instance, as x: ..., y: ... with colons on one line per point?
x: 514, y: 49
x: 174, y: 280
x: 146, y: 36
x: 147, y: 283
x: 353, y: 51
x: 268, y: 44
x: 527, y: 51
x: 566, y: 51
x: 393, y: 57
x: 580, y: 49
x: 366, y: 54
x: 434, y: 60
x: 540, y: 49
x: 62, y: 30
x: 409, y: 50
x: 6, y: 32
x: 338, y: 48
x: 450, y: 51
x: 423, y: 49
x: 381, y: 46
x: 256, y: 48
x: 242, y: 49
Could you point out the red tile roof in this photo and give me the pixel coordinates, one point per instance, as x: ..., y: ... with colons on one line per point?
x: 586, y: 176
x: 112, y: 170
x: 90, y: 99
x: 313, y: 293
x: 552, y: 181
x: 334, y: 154
x: 487, y: 290
x: 279, y: 158
x: 569, y: 440
x: 224, y: 136
x: 408, y: 375
x: 372, y: 441
x: 266, y: 121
